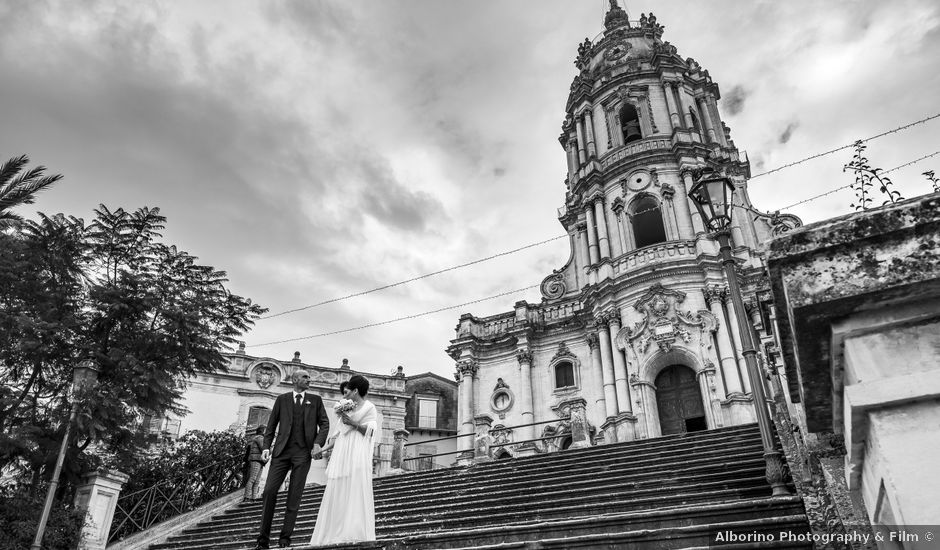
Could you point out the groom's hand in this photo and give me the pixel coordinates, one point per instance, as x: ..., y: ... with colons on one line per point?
x: 265, y: 455
x: 315, y: 453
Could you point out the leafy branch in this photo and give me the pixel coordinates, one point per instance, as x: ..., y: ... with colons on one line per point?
x: 866, y: 177
x: 934, y: 180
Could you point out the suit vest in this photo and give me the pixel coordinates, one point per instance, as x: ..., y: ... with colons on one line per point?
x: 297, y: 435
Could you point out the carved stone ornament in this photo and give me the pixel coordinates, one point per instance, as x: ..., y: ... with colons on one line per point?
x: 563, y: 352
x: 500, y: 384
x: 553, y: 286
x: 524, y: 356
x: 783, y: 223
x: 617, y: 51
x: 591, y: 339
x: 467, y: 367
x: 664, y: 323
x: 639, y: 180
x: 265, y: 376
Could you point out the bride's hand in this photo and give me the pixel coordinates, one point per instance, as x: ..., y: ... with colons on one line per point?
x: 346, y: 420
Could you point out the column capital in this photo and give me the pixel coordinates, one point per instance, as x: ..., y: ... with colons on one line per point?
x: 524, y: 356
x: 613, y: 317
x: 596, y: 198
x: 581, y: 226
x: 591, y: 339
x: 466, y: 367
x: 715, y: 293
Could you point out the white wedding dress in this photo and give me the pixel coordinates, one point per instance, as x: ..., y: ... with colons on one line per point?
x: 347, y: 511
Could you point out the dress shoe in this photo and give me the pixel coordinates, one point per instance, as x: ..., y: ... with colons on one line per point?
x: 261, y: 546
x: 283, y: 543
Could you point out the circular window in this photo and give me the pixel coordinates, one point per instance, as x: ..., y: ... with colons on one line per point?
x: 501, y: 400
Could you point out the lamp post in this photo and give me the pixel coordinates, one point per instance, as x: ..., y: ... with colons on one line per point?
x: 712, y: 196
x: 85, y: 374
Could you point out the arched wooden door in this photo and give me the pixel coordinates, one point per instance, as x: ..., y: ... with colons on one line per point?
x: 679, y: 401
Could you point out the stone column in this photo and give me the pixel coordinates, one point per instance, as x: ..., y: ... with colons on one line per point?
x: 685, y: 105
x: 592, y: 237
x: 620, y: 366
x: 737, y: 234
x: 572, y: 154
x: 607, y: 363
x: 607, y: 375
x: 398, y: 452
x: 584, y: 261
x: 674, y: 119
x: 589, y: 129
x: 712, y: 106
x: 617, y: 208
x: 669, y: 213
x: 707, y: 120
x: 482, y: 441
x: 582, y: 157
x: 729, y: 366
x: 97, y: 496
x: 603, y: 242
x: 697, y: 225
x: 525, y: 393
x: 736, y: 339
x: 466, y: 368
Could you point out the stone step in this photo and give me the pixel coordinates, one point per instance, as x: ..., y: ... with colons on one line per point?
x: 392, y: 509
x: 740, y: 512
x: 641, y: 472
x: 602, y: 464
x: 474, y: 514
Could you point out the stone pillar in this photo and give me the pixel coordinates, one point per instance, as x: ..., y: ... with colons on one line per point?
x: 712, y: 106
x: 620, y: 365
x: 577, y: 419
x: 669, y: 213
x: 697, y: 225
x: 482, y: 441
x: 572, y: 156
x: 617, y: 208
x: 685, y: 105
x: 97, y: 496
x: 582, y: 157
x: 647, y: 411
x: 398, y: 452
x: 610, y: 393
x: 466, y: 368
x: 591, y: 338
x: 585, y: 255
x: 589, y: 128
x: 592, y: 236
x: 674, y: 119
x: 736, y: 339
x: 525, y: 393
x: 607, y: 363
x: 729, y: 367
x: 737, y: 234
x: 707, y: 120
x: 575, y: 160
x: 603, y: 242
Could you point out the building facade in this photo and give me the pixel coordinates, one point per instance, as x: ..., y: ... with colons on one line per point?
x: 635, y: 330
x: 240, y: 397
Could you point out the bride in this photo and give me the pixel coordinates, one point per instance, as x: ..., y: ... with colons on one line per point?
x: 347, y: 511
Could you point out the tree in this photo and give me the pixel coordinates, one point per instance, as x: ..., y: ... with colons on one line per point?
x: 147, y: 313
x: 19, y: 186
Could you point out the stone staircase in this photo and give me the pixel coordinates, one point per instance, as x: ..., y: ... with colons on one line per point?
x: 667, y: 493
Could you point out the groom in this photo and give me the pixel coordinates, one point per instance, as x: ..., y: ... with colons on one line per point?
x: 302, y: 427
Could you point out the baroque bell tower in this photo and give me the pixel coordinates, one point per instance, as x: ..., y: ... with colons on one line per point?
x: 635, y: 331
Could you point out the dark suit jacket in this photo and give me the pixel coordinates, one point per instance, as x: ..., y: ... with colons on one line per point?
x: 316, y: 423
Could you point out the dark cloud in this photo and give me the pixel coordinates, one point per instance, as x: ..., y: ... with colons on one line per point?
x: 788, y: 132
x: 390, y: 202
x: 733, y: 101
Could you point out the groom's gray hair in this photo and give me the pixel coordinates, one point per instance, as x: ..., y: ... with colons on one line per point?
x: 296, y: 374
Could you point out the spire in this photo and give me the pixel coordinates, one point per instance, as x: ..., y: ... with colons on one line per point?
x: 616, y: 17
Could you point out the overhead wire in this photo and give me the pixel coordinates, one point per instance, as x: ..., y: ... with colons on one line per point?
x: 544, y: 241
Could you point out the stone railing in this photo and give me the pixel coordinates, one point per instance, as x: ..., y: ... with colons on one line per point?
x: 495, y: 326
x: 651, y: 144
x: 555, y: 312
x: 657, y: 253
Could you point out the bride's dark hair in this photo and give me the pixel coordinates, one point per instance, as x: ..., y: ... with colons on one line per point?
x: 358, y: 382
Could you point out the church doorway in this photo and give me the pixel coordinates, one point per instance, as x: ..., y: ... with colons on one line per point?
x: 679, y: 401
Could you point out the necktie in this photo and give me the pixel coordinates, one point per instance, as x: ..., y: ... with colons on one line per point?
x: 299, y: 400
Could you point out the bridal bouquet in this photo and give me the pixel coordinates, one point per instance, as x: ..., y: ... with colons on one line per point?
x: 344, y: 405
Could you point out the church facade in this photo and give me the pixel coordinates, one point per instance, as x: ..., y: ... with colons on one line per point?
x: 635, y: 331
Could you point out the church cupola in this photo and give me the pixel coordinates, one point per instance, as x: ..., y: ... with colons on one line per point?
x: 616, y: 17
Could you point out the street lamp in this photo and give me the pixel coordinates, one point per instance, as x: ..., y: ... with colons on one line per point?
x: 83, y: 375
x: 712, y: 196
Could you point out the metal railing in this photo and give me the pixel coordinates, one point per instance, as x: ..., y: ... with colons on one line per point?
x: 176, y: 495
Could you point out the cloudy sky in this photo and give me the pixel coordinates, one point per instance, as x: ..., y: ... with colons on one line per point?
x: 316, y: 149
